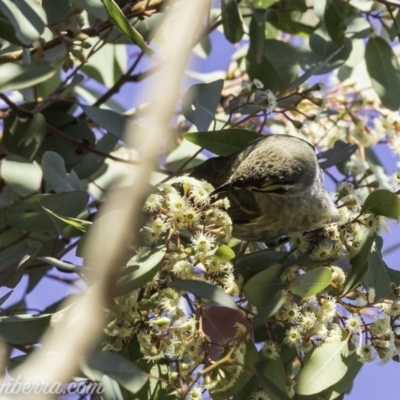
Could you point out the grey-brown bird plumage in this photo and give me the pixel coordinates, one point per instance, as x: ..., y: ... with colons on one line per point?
x: 274, y: 186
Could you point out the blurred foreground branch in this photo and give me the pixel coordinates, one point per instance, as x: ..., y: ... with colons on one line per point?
x: 80, y: 326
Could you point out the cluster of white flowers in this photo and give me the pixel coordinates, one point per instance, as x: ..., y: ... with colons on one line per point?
x: 192, y: 225
x: 344, y: 237
x: 255, y: 94
x: 331, y: 316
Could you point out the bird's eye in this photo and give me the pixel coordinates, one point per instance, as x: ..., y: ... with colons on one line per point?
x: 270, y: 188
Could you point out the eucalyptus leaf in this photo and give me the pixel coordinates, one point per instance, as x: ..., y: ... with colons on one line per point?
x: 22, y: 176
x: 268, y: 310
x: 335, y: 18
x: 76, y: 223
x: 92, y: 163
x: 224, y: 252
x: 278, y: 66
x: 56, y: 11
x: 109, y: 120
x: 318, y: 48
x: 118, y: 18
x: 74, y: 129
x: 24, y: 136
x: 251, y: 264
x: 21, y: 76
x: 24, y: 329
x: 93, y: 7
x: 30, y: 215
x: 27, y: 17
x: 204, y: 290
x: 231, y: 20
x: 111, y: 389
x: 250, y: 359
x: 274, y: 371
x: 261, y: 288
x: 384, y: 71
x: 380, y: 276
x: 312, y: 71
x: 354, y: 366
x: 141, y: 271
x: 62, y: 265
x: 200, y: 103
x: 323, y: 367
x: 11, y: 264
x: 225, y: 142
x: 359, y: 266
x: 156, y: 387
x: 311, y: 282
x: 339, y: 153
x: 117, y: 367
x: 382, y: 202
x: 56, y: 176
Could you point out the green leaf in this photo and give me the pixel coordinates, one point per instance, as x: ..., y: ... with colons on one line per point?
x: 141, y: 271
x: 231, y: 20
x: 335, y: 16
x: 278, y: 66
x: 92, y: 7
x: 91, y: 162
x: 56, y: 176
x: 76, y: 223
x: 316, y: 49
x: 312, y: 71
x: 224, y: 252
x: 379, y: 274
x: 106, y: 65
x: 157, y: 387
x: 73, y: 128
x: 269, y: 309
x: 253, y: 263
x: 264, y: 3
x: 24, y: 329
x: 312, y: 282
x: 21, y: 76
x: 354, y: 366
x: 274, y: 371
x: 27, y: 17
x: 56, y: 10
x: 250, y: 359
x: 293, y: 18
x: 264, y: 286
x: 382, y: 202
x: 23, y: 177
x: 11, y: 263
x: 111, y: 389
x: 7, y: 31
x: 120, y: 21
x: 257, y: 35
x: 62, y: 265
x: 111, y: 121
x: 29, y: 214
x: 116, y: 367
x: 204, y: 290
x: 323, y: 367
x: 200, y: 103
x: 359, y: 266
x: 384, y: 71
x: 339, y: 153
x: 24, y: 136
x: 225, y: 142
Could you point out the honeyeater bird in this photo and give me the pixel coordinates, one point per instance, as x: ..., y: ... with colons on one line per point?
x: 274, y: 186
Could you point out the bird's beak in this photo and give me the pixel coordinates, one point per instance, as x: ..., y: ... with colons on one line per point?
x: 223, y: 188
